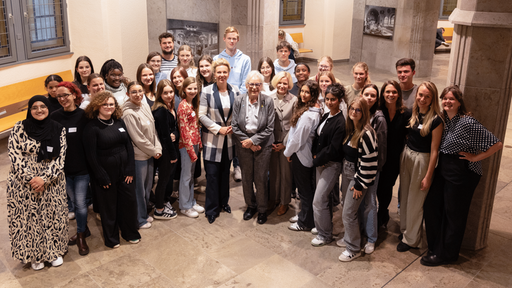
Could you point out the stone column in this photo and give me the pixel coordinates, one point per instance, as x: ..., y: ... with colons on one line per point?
x: 414, y: 35
x: 257, y: 22
x: 481, y: 64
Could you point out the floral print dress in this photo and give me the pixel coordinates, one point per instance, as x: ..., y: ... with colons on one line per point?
x: 38, y: 222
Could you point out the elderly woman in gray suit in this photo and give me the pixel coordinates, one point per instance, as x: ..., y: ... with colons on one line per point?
x: 280, y: 168
x: 215, y: 113
x: 253, y: 125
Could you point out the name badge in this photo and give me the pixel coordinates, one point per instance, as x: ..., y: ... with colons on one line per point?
x: 121, y: 129
x: 149, y: 122
x: 49, y: 149
x: 193, y: 114
x: 420, y: 126
x: 349, y: 144
x: 72, y: 130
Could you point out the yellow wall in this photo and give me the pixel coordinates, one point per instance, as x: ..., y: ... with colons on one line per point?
x: 100, y: 29
x: 327, y: 29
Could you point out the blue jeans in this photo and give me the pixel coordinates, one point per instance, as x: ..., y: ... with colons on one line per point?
x: 186, y: 192
x: 368, y: 212
x: 76, y: 187
x: 143, y: 185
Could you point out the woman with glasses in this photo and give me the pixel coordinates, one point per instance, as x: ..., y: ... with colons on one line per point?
x: 141, y: 128
x: 359, y: 170
x: 253, y: 126
x: 36, y: 192
x: 75, y: 166
x: 109, y: 153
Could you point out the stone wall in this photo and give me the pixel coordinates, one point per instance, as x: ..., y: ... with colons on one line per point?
x: 414, y: 35
x: 257, y: 21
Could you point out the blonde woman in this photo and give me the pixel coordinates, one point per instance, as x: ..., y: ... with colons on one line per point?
x: 361, y: 75
x: 186, y: 60
x: 418, y: 162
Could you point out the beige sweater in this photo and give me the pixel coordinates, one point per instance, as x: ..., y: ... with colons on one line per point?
x: 141, y: 128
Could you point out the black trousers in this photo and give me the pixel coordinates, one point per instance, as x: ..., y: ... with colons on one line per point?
x: 217, y: 182
x: 447, y: 206
x: 303, y: 177
x: 117, y: 204
x: 166, y: 171
x: 387, y: 180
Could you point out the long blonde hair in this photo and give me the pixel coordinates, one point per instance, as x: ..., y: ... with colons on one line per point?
x: 433, y: 110
x: 364, y: 124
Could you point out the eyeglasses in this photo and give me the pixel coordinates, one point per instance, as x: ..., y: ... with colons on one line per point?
x: 357, y: 110
x: 254, y: 85
x: 324, y: 67
x: 63, y: 96
x: 35, y: 108
x: 108, y: 105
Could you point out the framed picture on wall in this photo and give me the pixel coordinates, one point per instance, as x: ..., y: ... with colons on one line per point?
x: 379, y: 21
x: 202, y: 37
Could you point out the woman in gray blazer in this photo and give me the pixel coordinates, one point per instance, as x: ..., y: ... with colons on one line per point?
x: 280, y: 168
x: 253, y: 126
x: 215, y: 113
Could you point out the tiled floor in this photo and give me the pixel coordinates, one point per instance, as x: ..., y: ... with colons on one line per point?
x: 186, y: 252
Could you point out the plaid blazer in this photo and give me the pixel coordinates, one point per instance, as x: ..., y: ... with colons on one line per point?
x: 211, y: 115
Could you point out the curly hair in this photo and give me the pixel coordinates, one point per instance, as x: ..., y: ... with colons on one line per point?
x: 93, y: 109
x: 73, y: 90
x: 301, y: 107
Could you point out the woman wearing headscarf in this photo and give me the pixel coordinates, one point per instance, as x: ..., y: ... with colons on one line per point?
x: 36, y: 188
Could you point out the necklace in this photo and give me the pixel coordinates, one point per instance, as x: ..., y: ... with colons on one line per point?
x: 108, y: 124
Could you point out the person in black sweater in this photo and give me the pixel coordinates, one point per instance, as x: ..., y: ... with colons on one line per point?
x: 110, y: 155
x: 397, y: 118
x: 75, y: 165
x: 328, y: 154
x: 50, y: 85
x: 166, y: 125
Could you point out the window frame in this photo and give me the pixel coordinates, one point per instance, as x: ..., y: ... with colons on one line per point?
x: 19, y: 30
x: 291, y: 22
x: 441, y: 10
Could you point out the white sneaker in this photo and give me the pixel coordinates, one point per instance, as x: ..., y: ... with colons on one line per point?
x: 317, y: 242
x: 369, y: 248
x: 295, y: 227
x: 198, y: 208
x: 341, y: 243
x: 150, y: 219
x: 314, y: 231
x: 135, y: 241
x: 57, y: 262
x: 190, y: 213
x: 237, y: 174
x: 347, y: 256
x: 146, y: 226
x: 37, y: 266
x: 294, y: 219
x: 116, y: 246
x: 71, y: 215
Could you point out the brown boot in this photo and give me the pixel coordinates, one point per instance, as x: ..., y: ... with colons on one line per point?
x: 83, y: 249
x: 282, y: 210
x: 72, y: 239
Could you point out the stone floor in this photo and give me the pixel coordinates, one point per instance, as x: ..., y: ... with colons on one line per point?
x: 186, y: 252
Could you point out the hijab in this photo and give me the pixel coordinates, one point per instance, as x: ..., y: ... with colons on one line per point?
x: 46, y: 131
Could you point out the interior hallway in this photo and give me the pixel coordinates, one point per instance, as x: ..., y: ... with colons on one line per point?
x: 186, y: 252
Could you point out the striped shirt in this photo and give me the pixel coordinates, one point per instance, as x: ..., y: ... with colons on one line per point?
x: 367, y: 156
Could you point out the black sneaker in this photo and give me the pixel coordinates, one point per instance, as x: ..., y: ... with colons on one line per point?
x: 166, y: 214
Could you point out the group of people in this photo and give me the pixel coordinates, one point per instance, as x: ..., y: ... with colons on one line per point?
x: 101, y: 139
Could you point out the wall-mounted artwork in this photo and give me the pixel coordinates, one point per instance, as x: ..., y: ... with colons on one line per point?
x: 202, y: 37
x: 379, y: 21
